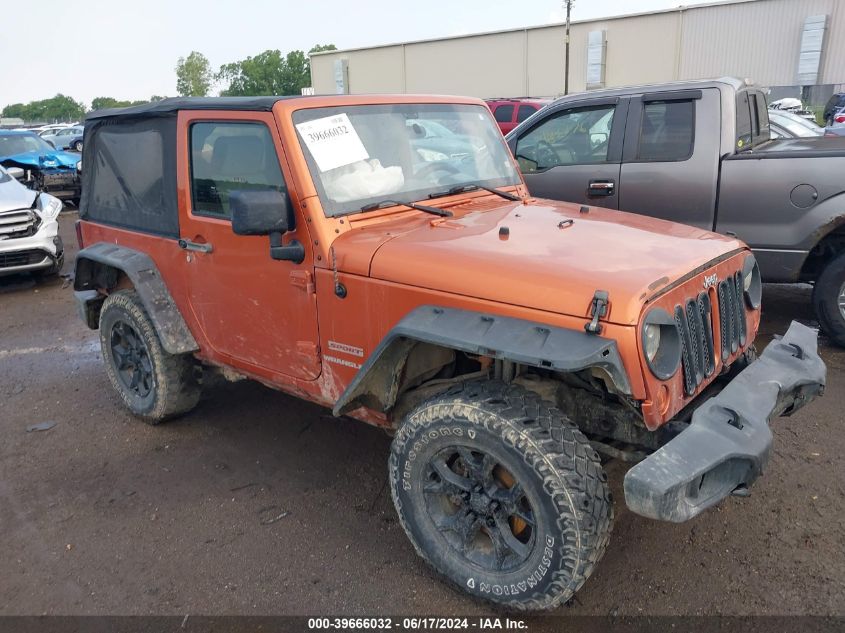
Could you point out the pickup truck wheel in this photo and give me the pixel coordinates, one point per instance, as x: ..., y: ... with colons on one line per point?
x: 499, y: 492
x: 153, y: 384
x: 829, y: 300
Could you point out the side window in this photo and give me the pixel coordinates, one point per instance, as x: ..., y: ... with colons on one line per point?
x: 761, y: 118
x: 571, y: 137
x: 524, y: 112
x: 226, y: 157
x: 743, y: 121
x: 667, y: 131
x: 504, y: 113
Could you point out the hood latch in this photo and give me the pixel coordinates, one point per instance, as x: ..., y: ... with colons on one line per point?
x: 598, y: 309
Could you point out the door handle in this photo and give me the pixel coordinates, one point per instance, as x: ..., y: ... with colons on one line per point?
x: 188, y: 245
x: 601, y: 188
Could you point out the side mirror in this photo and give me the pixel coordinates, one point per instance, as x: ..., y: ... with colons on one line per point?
x: 16, y: 172
x: 51, y: 144
x: 256, y: 212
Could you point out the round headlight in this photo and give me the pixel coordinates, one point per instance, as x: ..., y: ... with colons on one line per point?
x: 651, y: 341
x: 661, y: 343
x: 752, y: 284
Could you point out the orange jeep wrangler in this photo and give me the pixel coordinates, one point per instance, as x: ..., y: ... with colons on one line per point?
x: 380, y: 255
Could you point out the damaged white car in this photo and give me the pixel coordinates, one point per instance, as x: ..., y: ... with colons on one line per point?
x: 29, y: 240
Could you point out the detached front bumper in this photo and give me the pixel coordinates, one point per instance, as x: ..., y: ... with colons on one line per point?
x: 728, y: 443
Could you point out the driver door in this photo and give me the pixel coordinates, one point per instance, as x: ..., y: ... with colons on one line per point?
x: 255, y: 312
x: 574, y: 153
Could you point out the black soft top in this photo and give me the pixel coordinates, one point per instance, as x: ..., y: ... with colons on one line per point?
x: 172, y: 105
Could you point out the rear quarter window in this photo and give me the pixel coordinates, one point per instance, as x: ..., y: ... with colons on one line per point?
x: 129, y: 179
x: 743, y: 121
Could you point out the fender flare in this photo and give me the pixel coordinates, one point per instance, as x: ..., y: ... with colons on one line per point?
x: 97, y: 266
x: 525, y: 342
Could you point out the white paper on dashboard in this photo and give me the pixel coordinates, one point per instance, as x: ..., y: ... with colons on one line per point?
x: 333, y: 141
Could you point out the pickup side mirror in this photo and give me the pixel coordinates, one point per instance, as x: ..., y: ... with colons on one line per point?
x: 267, y: 212
x: 16, y: 172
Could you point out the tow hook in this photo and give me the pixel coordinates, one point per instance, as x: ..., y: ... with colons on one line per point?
x: 598, y: 309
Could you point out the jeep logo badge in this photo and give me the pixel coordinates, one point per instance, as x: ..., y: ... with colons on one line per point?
x: 711, y: 280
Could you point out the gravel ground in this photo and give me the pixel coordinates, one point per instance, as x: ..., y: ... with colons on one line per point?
x: 259, y: 503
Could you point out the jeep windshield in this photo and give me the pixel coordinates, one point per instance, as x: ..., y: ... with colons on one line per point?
x: 360, y: 156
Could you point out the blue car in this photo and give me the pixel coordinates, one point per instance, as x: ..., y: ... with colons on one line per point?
x: 45, y: 168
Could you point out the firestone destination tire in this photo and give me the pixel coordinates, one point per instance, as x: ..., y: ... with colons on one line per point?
x: 153, y: 384
x: 500, y: 493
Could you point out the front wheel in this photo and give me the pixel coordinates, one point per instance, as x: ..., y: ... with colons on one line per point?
x: 829, y: 300
x: 77, y: 145
x: 153, y: 384
x: 502, y: 494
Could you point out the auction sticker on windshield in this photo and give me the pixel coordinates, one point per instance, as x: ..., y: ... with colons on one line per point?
x: 333, y: 141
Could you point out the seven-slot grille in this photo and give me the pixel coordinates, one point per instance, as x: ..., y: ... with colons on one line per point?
x: 694, y: 321
x: 14, y: 224
x: 731, y: 315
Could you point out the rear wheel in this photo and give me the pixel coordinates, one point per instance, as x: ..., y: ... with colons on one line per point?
x: 829, y: 300
x: 153, y: 384
x: 502, y: 494
x: 77, y: 145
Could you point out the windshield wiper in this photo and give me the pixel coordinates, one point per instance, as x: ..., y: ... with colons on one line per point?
x: 475, y: 187
x: 419, y: 207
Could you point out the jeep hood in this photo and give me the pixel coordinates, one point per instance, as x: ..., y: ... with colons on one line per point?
x: 39, y: 160
x: 547, y: 255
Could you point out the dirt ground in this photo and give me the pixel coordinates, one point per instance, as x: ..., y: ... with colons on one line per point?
x: 258, y: 503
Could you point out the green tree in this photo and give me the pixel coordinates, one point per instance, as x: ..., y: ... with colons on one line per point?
x: 269, y: 73
x: 58, y: 108
x: 193, y: 75
x: 16, y: 111
x: 101, y: 103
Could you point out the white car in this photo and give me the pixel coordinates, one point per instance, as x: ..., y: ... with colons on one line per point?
x: 29, y: 229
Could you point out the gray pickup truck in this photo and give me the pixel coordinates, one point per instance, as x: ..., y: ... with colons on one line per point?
x: 699, y: 152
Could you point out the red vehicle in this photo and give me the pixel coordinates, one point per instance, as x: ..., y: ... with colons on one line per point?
x: 511, y: 112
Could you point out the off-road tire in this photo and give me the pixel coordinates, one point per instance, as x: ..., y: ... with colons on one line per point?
x: 826, y: 292
x: 175, y: 378
x: 549, y: 457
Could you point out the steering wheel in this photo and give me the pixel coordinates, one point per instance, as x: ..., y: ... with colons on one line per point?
x: 434, y: 167
x: 546, y: 155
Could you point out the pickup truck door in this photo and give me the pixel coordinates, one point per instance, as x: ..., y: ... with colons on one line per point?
x: 670, y: 162
x: 254, y: 312
x: 573, y: 153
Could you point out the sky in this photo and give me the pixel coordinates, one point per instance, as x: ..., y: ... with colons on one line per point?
x: 129, y: 50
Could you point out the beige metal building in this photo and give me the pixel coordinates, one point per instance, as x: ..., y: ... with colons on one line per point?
x: 784, y: 44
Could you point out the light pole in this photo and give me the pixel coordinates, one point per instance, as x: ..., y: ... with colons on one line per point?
x: 568, y: 4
